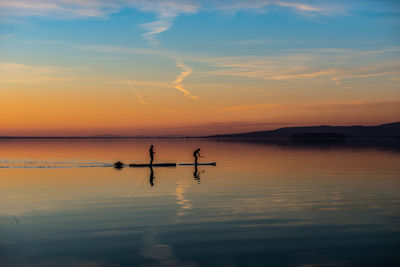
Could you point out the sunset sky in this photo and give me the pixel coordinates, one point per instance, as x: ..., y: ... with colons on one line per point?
x: 135, y: 67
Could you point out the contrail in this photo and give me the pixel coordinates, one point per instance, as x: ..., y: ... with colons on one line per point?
x: 154, y: 28
x: 186, y: 71
x: 136, y: 93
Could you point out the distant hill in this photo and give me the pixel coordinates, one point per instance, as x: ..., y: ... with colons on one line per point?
x: 323, y: 131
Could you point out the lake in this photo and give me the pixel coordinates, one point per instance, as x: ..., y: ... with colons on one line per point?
x: 61, y: 204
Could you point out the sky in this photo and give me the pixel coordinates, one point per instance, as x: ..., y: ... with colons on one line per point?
x: 176, y: 67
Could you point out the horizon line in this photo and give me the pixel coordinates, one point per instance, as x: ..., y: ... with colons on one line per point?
x: 110, y: 136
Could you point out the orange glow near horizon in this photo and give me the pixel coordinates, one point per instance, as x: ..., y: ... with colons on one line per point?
x: 77, y: 115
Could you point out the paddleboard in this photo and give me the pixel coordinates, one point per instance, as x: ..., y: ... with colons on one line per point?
x: 198, y: 164
x: 154, y: 165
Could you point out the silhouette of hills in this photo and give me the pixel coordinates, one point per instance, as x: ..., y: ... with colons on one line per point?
x: 304, y: 132
x: 320, y: 132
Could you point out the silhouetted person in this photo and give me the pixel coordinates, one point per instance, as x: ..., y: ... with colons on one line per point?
x: 151, y: 151
x: 196, y: 155
x: 151, y: 176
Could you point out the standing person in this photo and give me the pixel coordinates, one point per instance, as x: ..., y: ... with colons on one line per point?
x: 151, y: 151
x: 196, y: 155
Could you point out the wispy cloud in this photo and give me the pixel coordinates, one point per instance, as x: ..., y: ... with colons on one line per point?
x: 302, y: 7
x: 338, y: 105
x: 329, y: 64
x: 165, y: 11
x: 15, y: 73
x: 334, y: 74
x: 60, y: 9
x: 162, y: 8
x: 341, y: 51
x: 186, y: 71
x: 155, y: 28
x: 139, y: 97
x: 335, y: 66
x: 177, y: 83
x: 125, y: 50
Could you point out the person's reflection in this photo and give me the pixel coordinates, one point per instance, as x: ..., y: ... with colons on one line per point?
x: 151, y: 176
x: 196, y: 173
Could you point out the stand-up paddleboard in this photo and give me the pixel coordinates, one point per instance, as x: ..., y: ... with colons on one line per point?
x: 154, y: 165
x: 198, y: 164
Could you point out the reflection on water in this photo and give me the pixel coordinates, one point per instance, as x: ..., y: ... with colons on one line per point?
x: 262, y: 205
x: 197, y: 173
x: 183, y: 203
x: 151, y: 179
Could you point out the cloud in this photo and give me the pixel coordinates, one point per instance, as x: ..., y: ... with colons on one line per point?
x: 335, y: 66
x: 177, y: 83
x: 59, y: 9
x: 165, y: 11
x: 162, y: 8
x: 339, y: 105
x: 15, y: 73
x: 340, y: 51
x: 304, y: 72
x: 186, y: 71
x: 155, y: 28
x: 141, y: 101
x: 301, y: 7
x: 327, y: 64
x: 125, y: 50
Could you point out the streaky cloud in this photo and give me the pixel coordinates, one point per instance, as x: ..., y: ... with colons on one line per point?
x: 334, y: 105
x: 292, y: 64
x: 186, y: 71
x: 62, y: 9
x: 16, y: 73
x: 165, y: 11
x: 139, y: 97
x: 154, y: 28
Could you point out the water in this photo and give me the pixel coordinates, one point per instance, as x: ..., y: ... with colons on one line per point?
x: 61, y: 204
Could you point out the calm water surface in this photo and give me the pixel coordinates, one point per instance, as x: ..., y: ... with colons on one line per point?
x: 262, y: 205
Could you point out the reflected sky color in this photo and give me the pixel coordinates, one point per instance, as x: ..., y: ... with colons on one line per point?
x: 262, y: 205
x: 195, y: 67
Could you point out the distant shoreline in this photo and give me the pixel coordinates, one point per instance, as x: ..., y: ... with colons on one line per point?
x: 302, y: 132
